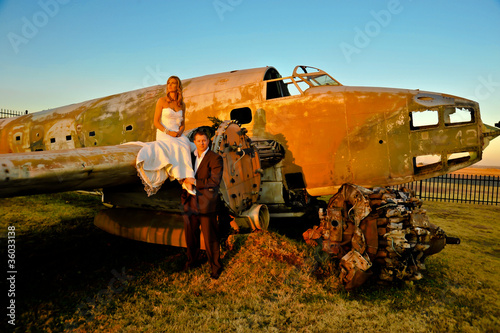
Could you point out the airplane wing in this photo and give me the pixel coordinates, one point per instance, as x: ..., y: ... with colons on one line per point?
x: 67, y: 170
x: 111, y: 166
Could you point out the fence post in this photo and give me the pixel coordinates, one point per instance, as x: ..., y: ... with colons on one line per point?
x: 459, y: 188
x: 498, y: 185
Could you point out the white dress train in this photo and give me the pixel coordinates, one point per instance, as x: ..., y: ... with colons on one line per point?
x: 167, y: 157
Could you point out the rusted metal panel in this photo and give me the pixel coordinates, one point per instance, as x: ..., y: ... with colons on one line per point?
x: 133, y: 195
x: 65, y: 170
x: 144, y: 225
x: 332, y: 134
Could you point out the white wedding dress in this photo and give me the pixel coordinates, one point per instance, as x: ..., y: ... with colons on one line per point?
x: 167, y: 157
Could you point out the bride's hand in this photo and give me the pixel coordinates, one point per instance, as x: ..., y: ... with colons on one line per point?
x: 171, y: 133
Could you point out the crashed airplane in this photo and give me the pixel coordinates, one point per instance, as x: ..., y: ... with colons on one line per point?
x: 304, y: 136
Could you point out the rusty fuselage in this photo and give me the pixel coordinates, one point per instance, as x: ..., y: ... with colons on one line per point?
x: 332, y: 134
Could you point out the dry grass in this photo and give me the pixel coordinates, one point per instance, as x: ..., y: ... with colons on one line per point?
x: 478, y: 171
x: 66, y: 280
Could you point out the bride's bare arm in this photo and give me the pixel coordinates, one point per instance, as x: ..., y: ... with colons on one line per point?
x: 157, y: 117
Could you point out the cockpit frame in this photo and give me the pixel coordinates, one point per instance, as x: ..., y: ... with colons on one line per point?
x: 311, y: 76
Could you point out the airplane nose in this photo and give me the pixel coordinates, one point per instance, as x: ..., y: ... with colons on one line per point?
x: 491, y: 132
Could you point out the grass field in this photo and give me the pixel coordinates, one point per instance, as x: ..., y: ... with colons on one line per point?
x: 492, y: 171
x: 71, y: 276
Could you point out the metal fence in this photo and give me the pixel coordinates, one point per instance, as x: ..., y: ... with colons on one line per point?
x: 4, y: 113
x: 458, y: 188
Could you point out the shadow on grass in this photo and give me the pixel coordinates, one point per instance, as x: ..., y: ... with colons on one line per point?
x: 293, y: 228
x: 68, y: 264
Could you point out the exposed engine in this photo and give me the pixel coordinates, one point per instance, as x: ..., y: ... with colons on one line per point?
x: 270, y: 152
x: 380, y: 232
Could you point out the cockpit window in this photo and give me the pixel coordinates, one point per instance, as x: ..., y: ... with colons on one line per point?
x: 314, y: 76
x: 276, y: 88
x: 303, y: 78
x: 321, y: 80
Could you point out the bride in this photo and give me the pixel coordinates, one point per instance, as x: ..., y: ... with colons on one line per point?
x: 170, y: 155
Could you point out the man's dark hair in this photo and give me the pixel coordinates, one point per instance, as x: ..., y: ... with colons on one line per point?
x: 200, y: 132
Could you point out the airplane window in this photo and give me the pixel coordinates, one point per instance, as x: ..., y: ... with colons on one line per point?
x: 424, y: 119
x: 457, y: 158
x: 271, y: 73
x: 128, y: 128
x: 52, y: 140
x: 68, y: 137
x: 322, y: 80
x: 293, y: 89
x: 427, y: 159
x: 314, y: 77
x: 242, y: 115
x: 454, y: 115
x: 308, y: 70
x: 275, y: 89
x: 426, y: 163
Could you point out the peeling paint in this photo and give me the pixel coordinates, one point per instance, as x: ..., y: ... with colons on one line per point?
x: 332, y: 134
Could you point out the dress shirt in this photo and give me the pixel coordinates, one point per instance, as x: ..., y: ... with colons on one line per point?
x: 198, y: 159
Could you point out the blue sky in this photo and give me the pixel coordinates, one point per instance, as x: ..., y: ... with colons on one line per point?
x: 58, y: 52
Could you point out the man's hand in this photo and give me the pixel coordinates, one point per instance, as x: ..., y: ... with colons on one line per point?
x: 191, y: 181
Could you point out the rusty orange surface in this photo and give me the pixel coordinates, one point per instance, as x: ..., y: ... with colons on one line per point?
x: 332, y: 133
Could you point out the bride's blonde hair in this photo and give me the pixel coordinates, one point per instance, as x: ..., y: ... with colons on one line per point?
x: 180, y: 98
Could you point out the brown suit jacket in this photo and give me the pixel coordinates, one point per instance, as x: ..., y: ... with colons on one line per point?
x: 208, y: 178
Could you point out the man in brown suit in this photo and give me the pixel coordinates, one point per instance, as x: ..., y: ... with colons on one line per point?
x: 201, y: 209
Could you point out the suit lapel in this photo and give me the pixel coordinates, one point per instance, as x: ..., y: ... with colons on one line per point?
x: 204, y: 161
x: 193, y: 160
